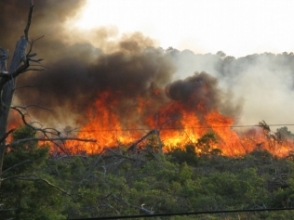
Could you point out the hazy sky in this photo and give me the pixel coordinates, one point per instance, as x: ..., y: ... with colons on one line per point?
x: 238, y: 28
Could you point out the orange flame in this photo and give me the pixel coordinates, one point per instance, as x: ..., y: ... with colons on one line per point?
x: 177, y: 125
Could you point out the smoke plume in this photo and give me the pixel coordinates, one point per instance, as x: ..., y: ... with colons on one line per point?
x: 82, y: 68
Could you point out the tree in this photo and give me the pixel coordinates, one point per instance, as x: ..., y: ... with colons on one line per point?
x: 26, y: 192
x: 21, y: 62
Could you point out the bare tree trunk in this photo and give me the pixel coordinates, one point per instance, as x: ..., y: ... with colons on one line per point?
x: 7, y: 92
x: 7, y: 81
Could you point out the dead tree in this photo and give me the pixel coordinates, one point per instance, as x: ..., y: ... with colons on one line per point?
x: 20, y: 63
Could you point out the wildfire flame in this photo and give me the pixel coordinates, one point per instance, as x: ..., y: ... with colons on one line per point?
x: 181, y: 113
x: 177, y: 127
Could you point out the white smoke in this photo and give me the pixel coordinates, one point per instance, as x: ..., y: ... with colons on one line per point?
x: 263, y: 83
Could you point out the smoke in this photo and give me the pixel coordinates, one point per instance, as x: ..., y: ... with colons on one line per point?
x: 83, y: 67
x: 197, y: 89
x: 261, y: 83
x: 48, y: 20
x: 73, y: 83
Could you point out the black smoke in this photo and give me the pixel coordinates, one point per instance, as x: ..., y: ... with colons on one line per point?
x: 200, y: 88
x: 78, y: 72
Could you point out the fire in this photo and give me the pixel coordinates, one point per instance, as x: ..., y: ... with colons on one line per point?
x: 183, y: 112
x: 177, y: 126
x: 230, y: 143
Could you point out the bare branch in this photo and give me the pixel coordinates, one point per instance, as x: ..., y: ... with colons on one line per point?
x: 34, y: 40
x: 29, y: 55
x: 45, y: 131
x: 134, y: 145
x: 23, y: 117
x: 26, y: 30
x: 36, y: 61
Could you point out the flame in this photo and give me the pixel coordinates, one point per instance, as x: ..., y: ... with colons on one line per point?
x: 177, y: 126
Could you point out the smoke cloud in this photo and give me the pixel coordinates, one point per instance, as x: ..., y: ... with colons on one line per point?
x: 82, y: 68
x: 261, y: 83
x: 73, y: 84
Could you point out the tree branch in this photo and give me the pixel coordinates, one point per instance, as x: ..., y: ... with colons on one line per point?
x: 133, y: 146
x: 29, y: 21
x: 45, y: 131
x: 23, y: 117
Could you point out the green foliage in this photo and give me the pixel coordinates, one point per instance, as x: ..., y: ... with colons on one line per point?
x: 24, y: 195
x: 187, y: 155
x: 204, y: 144
x: 193, y: 152
x: 28, y: 150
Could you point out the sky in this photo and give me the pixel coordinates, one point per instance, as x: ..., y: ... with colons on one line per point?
x: 237, y: 28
